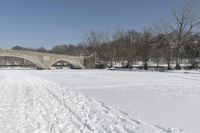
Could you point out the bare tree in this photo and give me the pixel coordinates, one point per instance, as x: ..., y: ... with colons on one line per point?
x: 144, y: 46
x: 164, y: 39
x: 186, y: 20
x: 130, y: 45
x: 116, y: 45
x: 108, y: 48
x: 94, y: 40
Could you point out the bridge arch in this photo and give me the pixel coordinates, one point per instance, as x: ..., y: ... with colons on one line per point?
x: 46, y: 60
x: 75, y: 65
x: 32, y: 60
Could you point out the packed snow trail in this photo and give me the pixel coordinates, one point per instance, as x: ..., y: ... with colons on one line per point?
x: 30, y: 104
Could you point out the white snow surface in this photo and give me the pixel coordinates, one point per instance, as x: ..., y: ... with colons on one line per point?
x: 66, y: 101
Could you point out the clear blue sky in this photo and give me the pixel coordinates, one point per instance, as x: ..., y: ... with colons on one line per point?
x: 35, y: 23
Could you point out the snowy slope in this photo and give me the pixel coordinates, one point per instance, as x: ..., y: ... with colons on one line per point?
x: 31, y: 104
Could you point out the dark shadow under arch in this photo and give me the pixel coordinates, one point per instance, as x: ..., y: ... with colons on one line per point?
x: 70, y: 64
x: 13, y: 57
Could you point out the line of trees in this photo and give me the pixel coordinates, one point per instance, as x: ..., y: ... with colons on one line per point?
x: 162, y: 41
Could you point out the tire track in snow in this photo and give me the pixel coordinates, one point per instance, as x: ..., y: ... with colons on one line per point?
x: 39, y: 85
x: 30, y: 104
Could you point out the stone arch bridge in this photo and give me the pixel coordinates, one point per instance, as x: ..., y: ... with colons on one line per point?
x: 46, y: 60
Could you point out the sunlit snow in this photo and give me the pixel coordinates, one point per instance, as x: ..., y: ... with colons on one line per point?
x: 99, y: 101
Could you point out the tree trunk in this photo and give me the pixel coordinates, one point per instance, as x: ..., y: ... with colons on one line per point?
x: 145, y: 65
x: 129, y: 64
x: 168, y: 65
x: 157, y: 61
x: 112, y: 58
x: 111, y: 63
x: 178, y: 67
x: 122, y: 62
x: 168, y: 61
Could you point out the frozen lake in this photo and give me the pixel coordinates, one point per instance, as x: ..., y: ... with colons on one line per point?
x: 164, y: 99
x: 159, y: 99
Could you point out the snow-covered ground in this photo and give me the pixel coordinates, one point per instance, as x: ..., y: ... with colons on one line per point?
x: 68, y: 101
